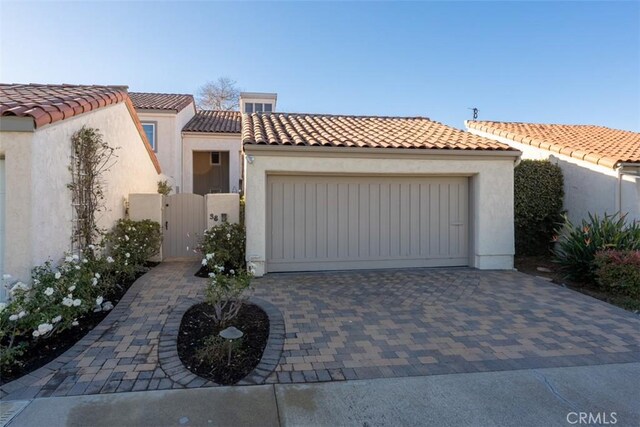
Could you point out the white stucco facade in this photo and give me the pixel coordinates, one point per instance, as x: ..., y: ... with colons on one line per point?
x: 169, y: 126
x: 38, y: 204
x: 588, y: 188
x: 201, y: 141
x: 491, y: 189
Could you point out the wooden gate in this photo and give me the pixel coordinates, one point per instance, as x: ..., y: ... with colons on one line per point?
x: 184, y: 224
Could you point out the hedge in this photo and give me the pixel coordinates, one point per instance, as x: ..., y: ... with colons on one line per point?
x: 538, y: 199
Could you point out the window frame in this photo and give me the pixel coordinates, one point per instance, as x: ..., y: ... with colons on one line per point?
x: 252, y: 104
x: 211, y: 162
x: 154, y: 143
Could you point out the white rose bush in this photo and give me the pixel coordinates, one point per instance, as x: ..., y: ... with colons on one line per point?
x: 229, y: 277
x: 60, y: 296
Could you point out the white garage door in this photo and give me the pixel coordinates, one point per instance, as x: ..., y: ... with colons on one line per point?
x: 353, y: 222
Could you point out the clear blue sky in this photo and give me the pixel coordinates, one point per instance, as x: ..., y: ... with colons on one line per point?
x: 574, y: 62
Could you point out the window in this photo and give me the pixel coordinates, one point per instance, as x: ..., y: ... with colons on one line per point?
x: 257, y: 107
x: 215, y: 157
x: 150, y: 130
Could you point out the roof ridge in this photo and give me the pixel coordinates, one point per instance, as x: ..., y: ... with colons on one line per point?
x: 162, y: 93
x: 549, y: 124
x: 355, y: 116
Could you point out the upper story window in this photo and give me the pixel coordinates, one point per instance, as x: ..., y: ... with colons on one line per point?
x: 257, y: 107
x: 150, y: 129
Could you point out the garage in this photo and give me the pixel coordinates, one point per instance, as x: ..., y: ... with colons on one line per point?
x: 364, y: 222
x: 328, y: 192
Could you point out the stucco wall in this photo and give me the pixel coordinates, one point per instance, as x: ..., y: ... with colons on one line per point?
x: 41, y: 212
x: 218, y: 205
x: 491, y: 204
x: 587, y: 186
x: 211, y: 142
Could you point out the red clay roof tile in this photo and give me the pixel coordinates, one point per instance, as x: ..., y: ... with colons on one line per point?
x: 211, y: 121
x: 160, y: 101
x: 359, y: 131
x: 596, y: 144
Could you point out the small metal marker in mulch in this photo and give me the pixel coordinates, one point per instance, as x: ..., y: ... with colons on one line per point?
x: 231, y: 334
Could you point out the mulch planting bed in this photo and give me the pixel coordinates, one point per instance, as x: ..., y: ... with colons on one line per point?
x: 41, y: 352
x: 550, y: 270
x: 197, y: 325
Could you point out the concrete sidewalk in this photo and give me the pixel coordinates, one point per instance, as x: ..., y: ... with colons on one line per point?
x: 540, y: 397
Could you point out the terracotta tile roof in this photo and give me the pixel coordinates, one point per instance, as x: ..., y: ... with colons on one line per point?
x: 51, y: 103
x: 596, y: 144
x: 47, y: 104
x: 161, y: 101
x: 358, y: 131
x: 215, y: 121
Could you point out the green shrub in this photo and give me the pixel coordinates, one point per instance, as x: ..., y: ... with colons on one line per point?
x: 619, y: 271
x: 164, y: 188
x: 538, y: 198
x: 577, y: 245
x: 132, y: 243
x: 225, y: 246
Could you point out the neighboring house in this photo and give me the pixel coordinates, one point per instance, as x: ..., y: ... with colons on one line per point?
x: 36, y: 126
x: 601, y: 166
x: 329, y: 192
x: 200, y: 151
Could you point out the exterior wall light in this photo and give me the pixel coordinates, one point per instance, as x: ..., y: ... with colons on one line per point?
x: 250, y: 159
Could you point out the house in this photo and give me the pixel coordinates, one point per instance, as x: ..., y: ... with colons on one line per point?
x: 601, y: 166
x: 328, y: 192
x: 36, y: 126
x: 200, y: 150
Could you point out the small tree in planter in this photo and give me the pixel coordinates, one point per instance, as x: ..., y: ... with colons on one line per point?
x: 223, y: 247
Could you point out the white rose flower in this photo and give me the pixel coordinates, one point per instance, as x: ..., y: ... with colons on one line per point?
x: 84, y: 260
x: 77, y: 302
x: 77, y: 267
x: 21, y: 314
x: 74, y: 323
x: 127, y: 255
x: 75, y: 257
x: 13, y: 317
x: 44, y: 328
x: 232, y: 271
x: 212, y: 275
x: 36, y: 334
x: 94, y: 281
x: 107, y: 306
x: 48, y: 292
x: 56, y: 319
x: 2, y: 306
x: 99, y: 300
x: 110, y: 260
x: 126, y: 237
x: 97, y: 275
x: 204, y: 261
x: 66, y: 301
x: 209, y: 256
x: 228, y: 236
x: 58, y: 275
x: 92, y: 247
x: 72, y: 288
x: 68, y: 258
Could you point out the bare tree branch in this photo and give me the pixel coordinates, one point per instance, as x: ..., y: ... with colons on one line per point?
x: 221, y: 94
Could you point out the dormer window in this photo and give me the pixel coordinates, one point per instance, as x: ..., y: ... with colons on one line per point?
x: 258, y: 107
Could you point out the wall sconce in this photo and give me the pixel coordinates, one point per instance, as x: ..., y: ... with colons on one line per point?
x: 250, y: 159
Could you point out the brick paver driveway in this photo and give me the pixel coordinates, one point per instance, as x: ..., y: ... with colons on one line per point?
x: 348, y: 325
x: 432, y: 321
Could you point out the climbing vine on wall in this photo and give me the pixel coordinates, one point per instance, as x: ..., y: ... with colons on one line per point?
x: 91, y: 158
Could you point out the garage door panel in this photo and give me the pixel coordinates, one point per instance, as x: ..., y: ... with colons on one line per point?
x: 330, y: 222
